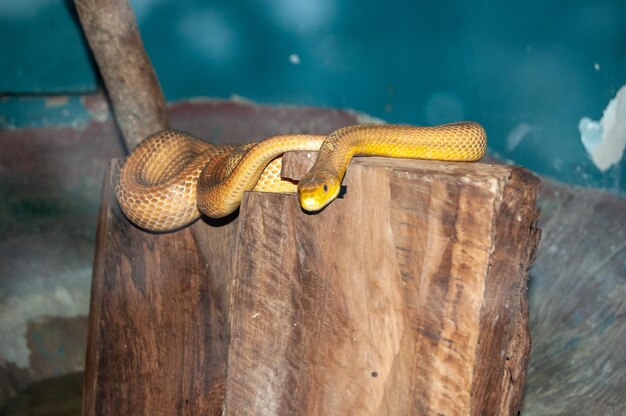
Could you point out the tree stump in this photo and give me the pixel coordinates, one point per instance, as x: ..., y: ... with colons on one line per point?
x: 405, y: 297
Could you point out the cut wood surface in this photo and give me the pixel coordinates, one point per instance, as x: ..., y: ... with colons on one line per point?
x: 407, y: 296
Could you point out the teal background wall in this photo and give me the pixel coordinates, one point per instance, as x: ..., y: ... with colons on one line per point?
x: 528, y: 72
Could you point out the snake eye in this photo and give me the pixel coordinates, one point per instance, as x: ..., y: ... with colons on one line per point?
x: 325, y: 188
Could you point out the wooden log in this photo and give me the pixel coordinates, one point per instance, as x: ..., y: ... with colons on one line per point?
x: 407, y: 296
x: 157, y: 340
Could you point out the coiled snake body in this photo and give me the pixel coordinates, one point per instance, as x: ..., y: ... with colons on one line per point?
x: 171, y: 177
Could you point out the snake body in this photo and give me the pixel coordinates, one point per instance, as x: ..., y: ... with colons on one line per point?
x: 170, y: 178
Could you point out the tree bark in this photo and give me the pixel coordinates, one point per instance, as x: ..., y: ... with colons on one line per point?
x: 130, y: 80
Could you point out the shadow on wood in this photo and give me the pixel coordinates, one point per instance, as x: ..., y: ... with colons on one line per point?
x: 408, y: 296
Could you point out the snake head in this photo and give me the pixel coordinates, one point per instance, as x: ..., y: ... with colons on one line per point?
x: 318, y: 190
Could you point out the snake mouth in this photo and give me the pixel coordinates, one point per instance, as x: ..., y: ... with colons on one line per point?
x: 312, y: 204
x: 309, y: 204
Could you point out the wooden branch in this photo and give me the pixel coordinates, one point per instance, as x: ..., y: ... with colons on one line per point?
x: 132, y: 85
x: 407, y: 296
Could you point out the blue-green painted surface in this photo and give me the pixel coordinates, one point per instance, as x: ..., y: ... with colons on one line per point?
x: 528, y: 71
x: 27, y: 111
x: 42, y: 49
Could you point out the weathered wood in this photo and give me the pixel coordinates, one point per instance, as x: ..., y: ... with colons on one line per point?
x: 502, y: 335
x: 132, y: 85
x: 158, y: 319
x: 408, y: 296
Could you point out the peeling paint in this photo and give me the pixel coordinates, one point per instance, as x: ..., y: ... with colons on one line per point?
x: 517, y: 135
x: 605, y: 140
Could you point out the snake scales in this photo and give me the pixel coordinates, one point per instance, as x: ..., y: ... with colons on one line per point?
x: 171, y: 177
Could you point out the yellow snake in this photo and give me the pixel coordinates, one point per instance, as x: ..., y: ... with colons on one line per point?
x: 170, y: 178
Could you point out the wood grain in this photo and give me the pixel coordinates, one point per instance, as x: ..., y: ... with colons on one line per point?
x: 407, y: 296
x: 158, y: 320
x: 393, y: 304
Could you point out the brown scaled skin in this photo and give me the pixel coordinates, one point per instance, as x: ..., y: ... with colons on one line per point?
x: 171, y: 177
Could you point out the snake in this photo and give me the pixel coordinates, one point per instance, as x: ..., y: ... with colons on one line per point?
x: 172, y: 178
